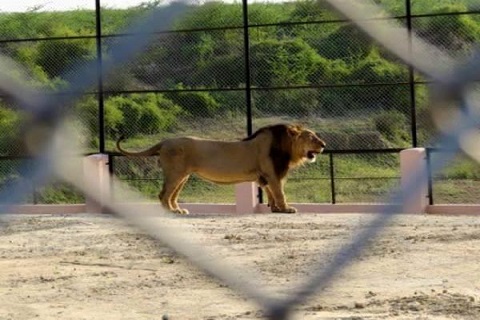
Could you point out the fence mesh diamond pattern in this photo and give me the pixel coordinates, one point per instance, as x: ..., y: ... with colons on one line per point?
x: 213, y: 70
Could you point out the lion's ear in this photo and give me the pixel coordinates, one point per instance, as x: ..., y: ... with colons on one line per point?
x: 294, y: 130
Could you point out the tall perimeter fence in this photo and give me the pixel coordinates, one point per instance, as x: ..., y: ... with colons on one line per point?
x: 221, y: 70
x: 39, y: 119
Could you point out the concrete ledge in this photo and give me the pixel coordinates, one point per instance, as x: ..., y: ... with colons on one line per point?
x: 200, y: 208
x: 231, y: 209
x: 454, y: 209
x: 333, y: 208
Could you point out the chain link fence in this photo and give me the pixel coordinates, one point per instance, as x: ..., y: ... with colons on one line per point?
x: 18, y: 170
x: 232, y: 69
x: 456, y: 184
x: 40, y: 127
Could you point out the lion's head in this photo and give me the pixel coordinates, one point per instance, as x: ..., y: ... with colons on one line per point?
x: 291, y: 145
x: 306, y: 145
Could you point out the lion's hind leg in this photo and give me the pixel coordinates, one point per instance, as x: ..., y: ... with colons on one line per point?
x: 172, y: 186
x: 174, y: 198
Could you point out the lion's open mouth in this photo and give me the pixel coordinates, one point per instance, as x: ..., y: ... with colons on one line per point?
x: 312, y: 155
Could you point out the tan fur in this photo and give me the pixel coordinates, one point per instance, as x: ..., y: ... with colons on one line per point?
x: 265, y: 157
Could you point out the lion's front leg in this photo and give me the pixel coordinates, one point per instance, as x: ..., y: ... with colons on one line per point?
x: 276, y: 197
x: 271, y: 199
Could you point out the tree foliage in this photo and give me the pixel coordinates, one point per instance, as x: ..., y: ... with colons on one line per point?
x: 206, y: 51
x: 9, y: 127
x: 282, y: 62
x: 195, y: 103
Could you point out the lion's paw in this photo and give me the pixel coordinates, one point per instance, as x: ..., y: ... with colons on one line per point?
x: 180, y: 211
x: 284, y: 210
x: 290, y: 210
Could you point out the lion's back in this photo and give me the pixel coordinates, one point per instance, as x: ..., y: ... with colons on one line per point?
x: 215, y: 160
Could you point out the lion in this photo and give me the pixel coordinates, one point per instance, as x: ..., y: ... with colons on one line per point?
x: 264, y: 157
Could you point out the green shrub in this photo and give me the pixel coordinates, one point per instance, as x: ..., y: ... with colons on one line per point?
x: 221, y: 71
x: 348, y: 42
x: 195, y: 103
x: 376, y: 69
x: 55, y: 57
x: 293, y: 102
x: 282, y: 62
x: 390, y: 124
x: 328, y: 71
x: 129, y: 114
x: 145, y: 113
x: 460, y: 168
x: 59, y: 193
x: 9, y: 128
x: 87, y: 112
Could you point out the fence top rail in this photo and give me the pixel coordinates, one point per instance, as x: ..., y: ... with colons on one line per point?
x: 239, y: 26
x: 345, y: 151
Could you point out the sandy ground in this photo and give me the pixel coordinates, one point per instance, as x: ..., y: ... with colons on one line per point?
x: 96, y: 267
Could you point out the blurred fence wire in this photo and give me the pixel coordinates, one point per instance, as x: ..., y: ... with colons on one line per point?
x: 46, y: 135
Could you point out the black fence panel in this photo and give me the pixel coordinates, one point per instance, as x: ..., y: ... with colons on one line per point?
x: 225, y: 69
x: 458, y: 183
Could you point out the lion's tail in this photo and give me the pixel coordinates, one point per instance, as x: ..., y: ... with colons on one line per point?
x: 148, y: 152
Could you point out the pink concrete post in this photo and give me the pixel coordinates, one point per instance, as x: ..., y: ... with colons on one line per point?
x: 412, y: 163
x: 96, y: 171
x: 246, y: 197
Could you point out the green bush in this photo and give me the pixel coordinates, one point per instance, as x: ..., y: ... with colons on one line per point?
x: 129, y: 114
x: 330, y: 71
x: 55, y: 57
x: 294, y: 102
x: 347, y: 42
x: 145, y: 113
x: 374, y: 68
x: 232, y: 102
x: 222, y: 71
x: 59, y: 193
x: 9, y: 127
x: 453, y: 32
x: 282, y: 62
x: 37, y: 77
x: 195, y: 103
x: 87, y: 113
x: 391, y: 125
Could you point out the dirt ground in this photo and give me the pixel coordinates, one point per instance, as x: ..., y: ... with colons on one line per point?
x: 96, y: 267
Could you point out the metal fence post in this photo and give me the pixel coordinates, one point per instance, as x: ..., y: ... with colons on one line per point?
x: 246, y: 48
x: 111, y: 173
x: 101, y: 107
x: 248, y: 84
x: 411, y: 77
x: 332, y: 178
x: 430, y: 178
